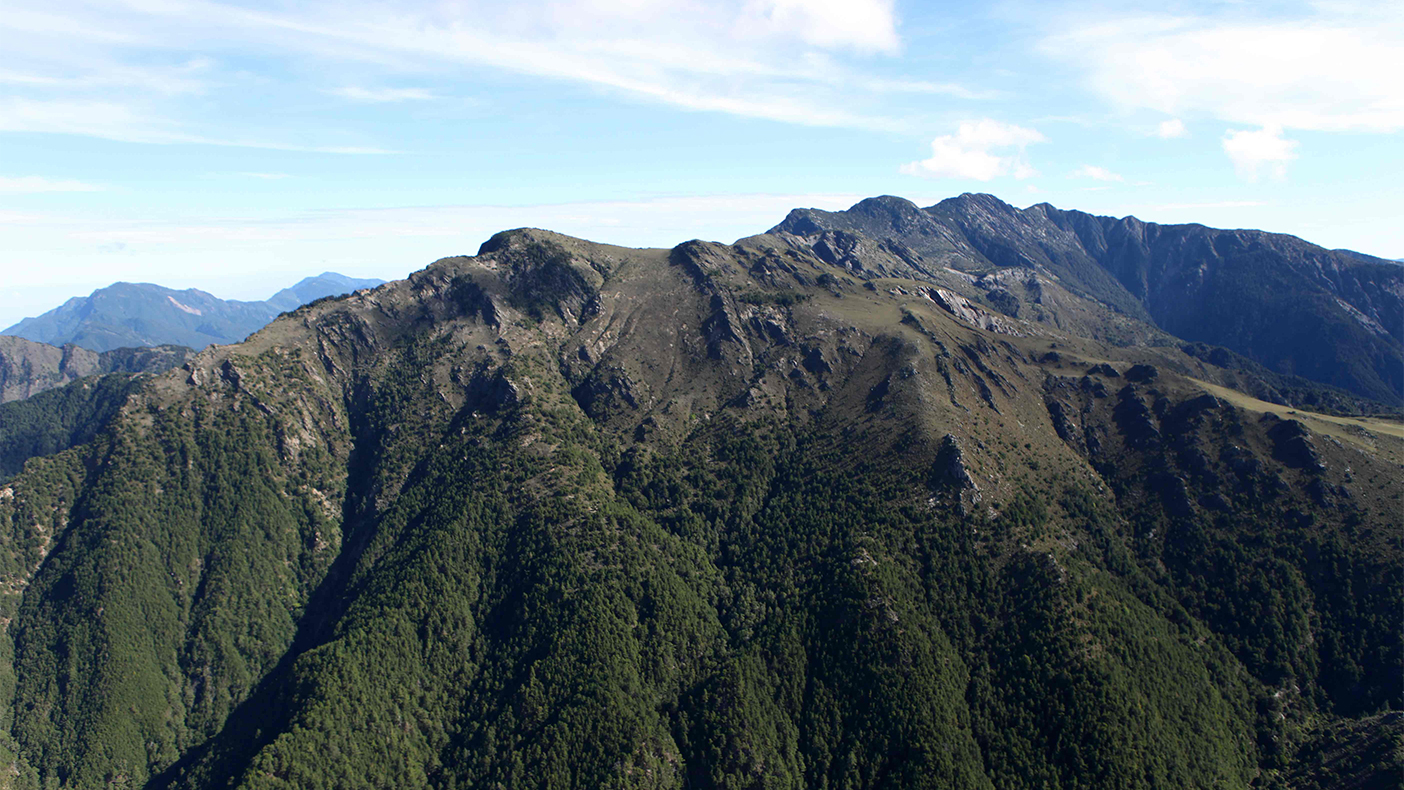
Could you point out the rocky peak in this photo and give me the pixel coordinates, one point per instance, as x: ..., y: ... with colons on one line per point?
x: 900, y: 213
x: 975, y: 202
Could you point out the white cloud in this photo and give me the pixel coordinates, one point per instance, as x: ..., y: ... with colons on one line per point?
x: 979, y: 150
x: 128, y: 123
x: 97, y: 118
x: 1171, y: 129
x: 1334, y: 69
x: 792, y: 61
x: 865, y: 25
x: 1254, y: 151
x: 13, y: 185
x: 382, y: 95
x: 187, y: 78
x: 1096, y: 173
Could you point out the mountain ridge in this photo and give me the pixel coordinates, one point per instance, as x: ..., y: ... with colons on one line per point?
x: 28, y: 367
x: 792, y: 512
x: 1235, y: 288
x: 144, y: 314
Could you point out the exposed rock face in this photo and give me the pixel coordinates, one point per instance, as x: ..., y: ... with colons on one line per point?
x: 950, y: 464
x: 28, y: 368
x: 1135, y: 419
x: 969, y: 312
x: 1241, y: 461
x: 1331, y: 316
x: 1004, y: 301
x: 1064, y: 422
x: 1142, y: 374
x: 1104, y: 370
x: 1291, y: 444
x: 1174, y: 491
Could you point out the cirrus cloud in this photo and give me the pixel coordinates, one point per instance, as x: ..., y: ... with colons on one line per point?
x: 382, y: 95
x: 1332, y: 69
x: 865, y: 25
x: 792, y: 61
x: 22, y: 185
x: 1096, y: 173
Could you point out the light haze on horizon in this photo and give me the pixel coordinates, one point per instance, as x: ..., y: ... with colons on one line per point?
x: 239, y: 147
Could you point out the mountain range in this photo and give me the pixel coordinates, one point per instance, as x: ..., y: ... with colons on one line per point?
x: 1335, y: 317
x: 141, y: 314
x: 891, y: 497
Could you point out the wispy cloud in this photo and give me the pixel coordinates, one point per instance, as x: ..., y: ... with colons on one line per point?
x: 1332, y: 67
x: 187, y: 77
x: 864, y: 25
x: 793, y: 61
x: 128, y: 123
x: 1171, y: 129
x: 382, y: 95
x: 1096, y: 173
x: 111, y: 120
x: 14, y: 185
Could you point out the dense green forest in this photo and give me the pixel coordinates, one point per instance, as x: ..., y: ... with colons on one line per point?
x: 58, y: 419
x: 566, y: 515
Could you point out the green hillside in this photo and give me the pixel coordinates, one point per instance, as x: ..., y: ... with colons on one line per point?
x: 571, y: 515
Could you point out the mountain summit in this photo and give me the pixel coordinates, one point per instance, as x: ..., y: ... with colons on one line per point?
x: 142, y: 314
x: 1333, y: 316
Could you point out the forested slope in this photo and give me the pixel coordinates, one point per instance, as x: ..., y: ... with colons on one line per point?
x: 570, y: 515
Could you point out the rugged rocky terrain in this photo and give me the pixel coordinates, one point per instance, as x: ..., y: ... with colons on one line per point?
x: 1335, y: 317
x: 29, y: 368
x: 810, y: 510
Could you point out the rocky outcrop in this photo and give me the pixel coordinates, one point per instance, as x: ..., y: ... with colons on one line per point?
x: 1142, y: 374
x: 950, y: 465
x: 1331, y: 316
x: 1135, y: 420
x: 1104, y: 370
x: 971, y: 313
x: 1291, y: 444
x: 28, y: 368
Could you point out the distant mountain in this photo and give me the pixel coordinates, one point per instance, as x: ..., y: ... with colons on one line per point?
x: 310, y: 289
x: 1333, y: 316
x: 142, y: 314
x: 28, y: 368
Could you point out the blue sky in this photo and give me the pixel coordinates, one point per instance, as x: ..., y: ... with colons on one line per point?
x: 237, y: 147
